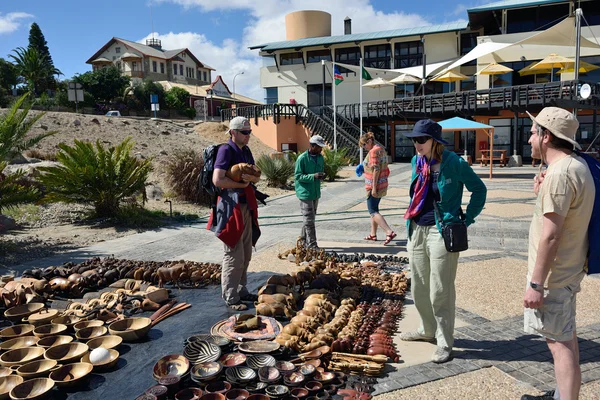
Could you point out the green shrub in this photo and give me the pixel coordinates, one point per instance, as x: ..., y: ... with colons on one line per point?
x: 334, y: 162
x: 190, y: 112
x: 183, y: 171
x: 278, y: 171
x: 15, y: 189
x: 90, y: 174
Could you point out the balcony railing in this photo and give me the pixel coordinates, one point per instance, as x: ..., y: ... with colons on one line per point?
x: 134, y: 74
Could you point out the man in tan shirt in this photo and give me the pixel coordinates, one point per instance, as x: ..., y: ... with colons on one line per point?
x: 558, y: 245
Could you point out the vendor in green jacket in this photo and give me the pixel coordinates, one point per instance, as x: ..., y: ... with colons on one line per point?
x: 310, y: 167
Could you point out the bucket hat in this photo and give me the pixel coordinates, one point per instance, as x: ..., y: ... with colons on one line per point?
x: 427, y: 127
x: 560, y: 122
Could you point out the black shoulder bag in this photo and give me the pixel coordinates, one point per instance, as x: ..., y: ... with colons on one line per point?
x: 455, y: 233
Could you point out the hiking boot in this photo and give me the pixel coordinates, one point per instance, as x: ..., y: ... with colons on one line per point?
x: 415, y: 336
x: 441, y: 355
x: 549, y: 395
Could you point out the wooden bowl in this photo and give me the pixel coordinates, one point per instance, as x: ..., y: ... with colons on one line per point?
x: 68, y: 320
x: 232, y: 359
x: 218, y: 387
x: 71, y: 374
x: 16, y: 331
x: 114, y: 357
x: 21, y: 356
x: 91, y: 332
x: 17, y: 313
x: 173, y: 364
x: 108, y: 342
x: 131, y: 329
x: 5, y: 371
x: 213, y: 396
x: 237, y: 394
x: 55, y: 340
x: 66, y: 353
x: 49, y: 330
x: 158, y: 296
x: 240, y: 375
x: 19, y: 343
x: 32, y: 389
x: 205, y: 371
x: 87, y: 324
x: 42, y: 317
x: 7, y: 383
x: 36, y: 369
x: 191, y: 393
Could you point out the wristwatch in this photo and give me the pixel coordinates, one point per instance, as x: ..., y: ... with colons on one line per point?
x: 536, y: 286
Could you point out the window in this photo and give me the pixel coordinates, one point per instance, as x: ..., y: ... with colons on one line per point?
x: 184, y: 55
x: 315, y: 95
x: 591, y: 11
x: 117, y: 50
x: 153, y: 66
x: 290, y: 58
x: 271, y: 95
x: 468, y: 84
x: 181, y: 69
x: 348, y: 55
x: 318, y: 55
x: 378, y: 56
x: 403, y: 90
x: 119, y: 65
x: 535, y: 18
x: 174, y: 69
x: 468, y: 41
x: 205, y: 80
x: 162, y: 68
x: 134, y: 66
x: 408, y: 54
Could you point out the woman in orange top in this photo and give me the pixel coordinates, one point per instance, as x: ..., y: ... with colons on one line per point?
x: 376, y: 173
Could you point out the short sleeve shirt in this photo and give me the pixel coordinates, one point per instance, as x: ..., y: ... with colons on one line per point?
x: 567, y: 190
x: 229, y: 150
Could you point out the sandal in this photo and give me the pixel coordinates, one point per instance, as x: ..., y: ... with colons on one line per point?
x: 371, y: 237
x: 389, y: 238
x: 239, y: 306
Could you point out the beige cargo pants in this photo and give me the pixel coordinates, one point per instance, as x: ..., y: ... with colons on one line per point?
x: 235, y: 263
x: 433, y: 271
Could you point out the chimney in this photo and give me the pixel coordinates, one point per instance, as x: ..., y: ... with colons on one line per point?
x: 347, y: 26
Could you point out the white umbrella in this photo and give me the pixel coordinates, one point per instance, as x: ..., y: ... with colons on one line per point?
x: 378, y: 83
x: 405, y: 78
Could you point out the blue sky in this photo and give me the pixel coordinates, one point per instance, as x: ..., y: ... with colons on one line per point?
x: 218, y: 32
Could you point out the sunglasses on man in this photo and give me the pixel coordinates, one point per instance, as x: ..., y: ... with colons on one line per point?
x: 245, y: 132
x: 421, y: 139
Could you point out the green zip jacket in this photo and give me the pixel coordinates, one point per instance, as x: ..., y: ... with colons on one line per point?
x: 307, y: 187
x: 454, y: 173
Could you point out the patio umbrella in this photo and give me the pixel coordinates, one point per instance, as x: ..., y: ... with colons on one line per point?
x: 450, y: 76
x: 499, y: 82
x: 553, y: 61
x: 494, y: 69
x: 529, y: 71
x: 405, y: 78
x: 378, y: 83
x: 584, y: 68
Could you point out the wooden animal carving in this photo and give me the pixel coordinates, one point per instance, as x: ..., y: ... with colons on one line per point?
x: 236, y: 171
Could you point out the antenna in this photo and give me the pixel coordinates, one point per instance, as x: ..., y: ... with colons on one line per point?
x: 151, y: 21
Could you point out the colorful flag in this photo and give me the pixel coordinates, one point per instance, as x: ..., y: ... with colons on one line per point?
x: 339, y: 78
x: 365, y: 74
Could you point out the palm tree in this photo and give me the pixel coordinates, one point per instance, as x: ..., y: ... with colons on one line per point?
x: 33, y: 66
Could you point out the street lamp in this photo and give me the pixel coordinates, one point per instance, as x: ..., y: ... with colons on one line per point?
x: 234, y: 94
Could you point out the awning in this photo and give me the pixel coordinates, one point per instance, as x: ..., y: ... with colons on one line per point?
x: 431, y: 69
x: 459, y: 124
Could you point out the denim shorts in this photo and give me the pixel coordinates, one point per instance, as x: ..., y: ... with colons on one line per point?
x: 373, y: 204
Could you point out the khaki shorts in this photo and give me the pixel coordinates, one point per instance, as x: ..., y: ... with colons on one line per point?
x: 555, y: 320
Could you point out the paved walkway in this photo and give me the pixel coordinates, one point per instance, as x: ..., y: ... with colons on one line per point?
x: 489, y: 282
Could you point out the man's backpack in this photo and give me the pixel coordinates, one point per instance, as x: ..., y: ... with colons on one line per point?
x: 594, y: 226
x: 206, y: 175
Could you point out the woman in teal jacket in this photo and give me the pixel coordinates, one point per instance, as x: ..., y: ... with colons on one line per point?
x: 438, y: 175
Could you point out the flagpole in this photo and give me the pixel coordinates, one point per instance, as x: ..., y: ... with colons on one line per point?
x: 360, y: 111
x: 334, y: 84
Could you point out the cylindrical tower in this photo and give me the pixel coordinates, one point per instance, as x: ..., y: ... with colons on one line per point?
x: 306, y: 24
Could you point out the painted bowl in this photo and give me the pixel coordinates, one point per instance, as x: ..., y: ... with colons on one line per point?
x: 189, y: 394
x: 285, y: 367
x: 213, y: 396
x: 102, y: 366
x: 232, y: 359
x: 17, y: 313
x: 294, y: 379
x: 299, y: 393
x: 307, y: 369
x: 260, y: 360
x: 316, y: 362
x: 240, y: 374
x: 256, y: 387
x: 218, y: 387
x: 131, y: 329
x: 32, y: 389
x: 36, y: 369
x: 71, y: 374
x: 259, y: 346
x: 19, y: 343
x: 21, y: 356
x: 174, y: 364
x: 87, y: 324
x: 258, y: 396
x: 158, y: 295
x: 277, y: 391
x: 54, y: 340
x: 49, y: 330
x: 206, y: 371
x: 201, y: 351
x: 268, y: 374
x: 237, y: 394
x: 91, y: 332
x: 66, y: 353
x: 313, y: 386
x: 68, y: 320
x: 16, y: 331
x: 108, y: 342
x: 7, y: 383
x: 324, y: 377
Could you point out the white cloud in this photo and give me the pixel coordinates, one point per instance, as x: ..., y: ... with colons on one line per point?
x: 266, y: 23
x: 10, y: 22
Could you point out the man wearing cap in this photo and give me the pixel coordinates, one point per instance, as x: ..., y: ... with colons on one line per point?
x: 309, y: 173
x: 558, y: 245
x: 236, y: 214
